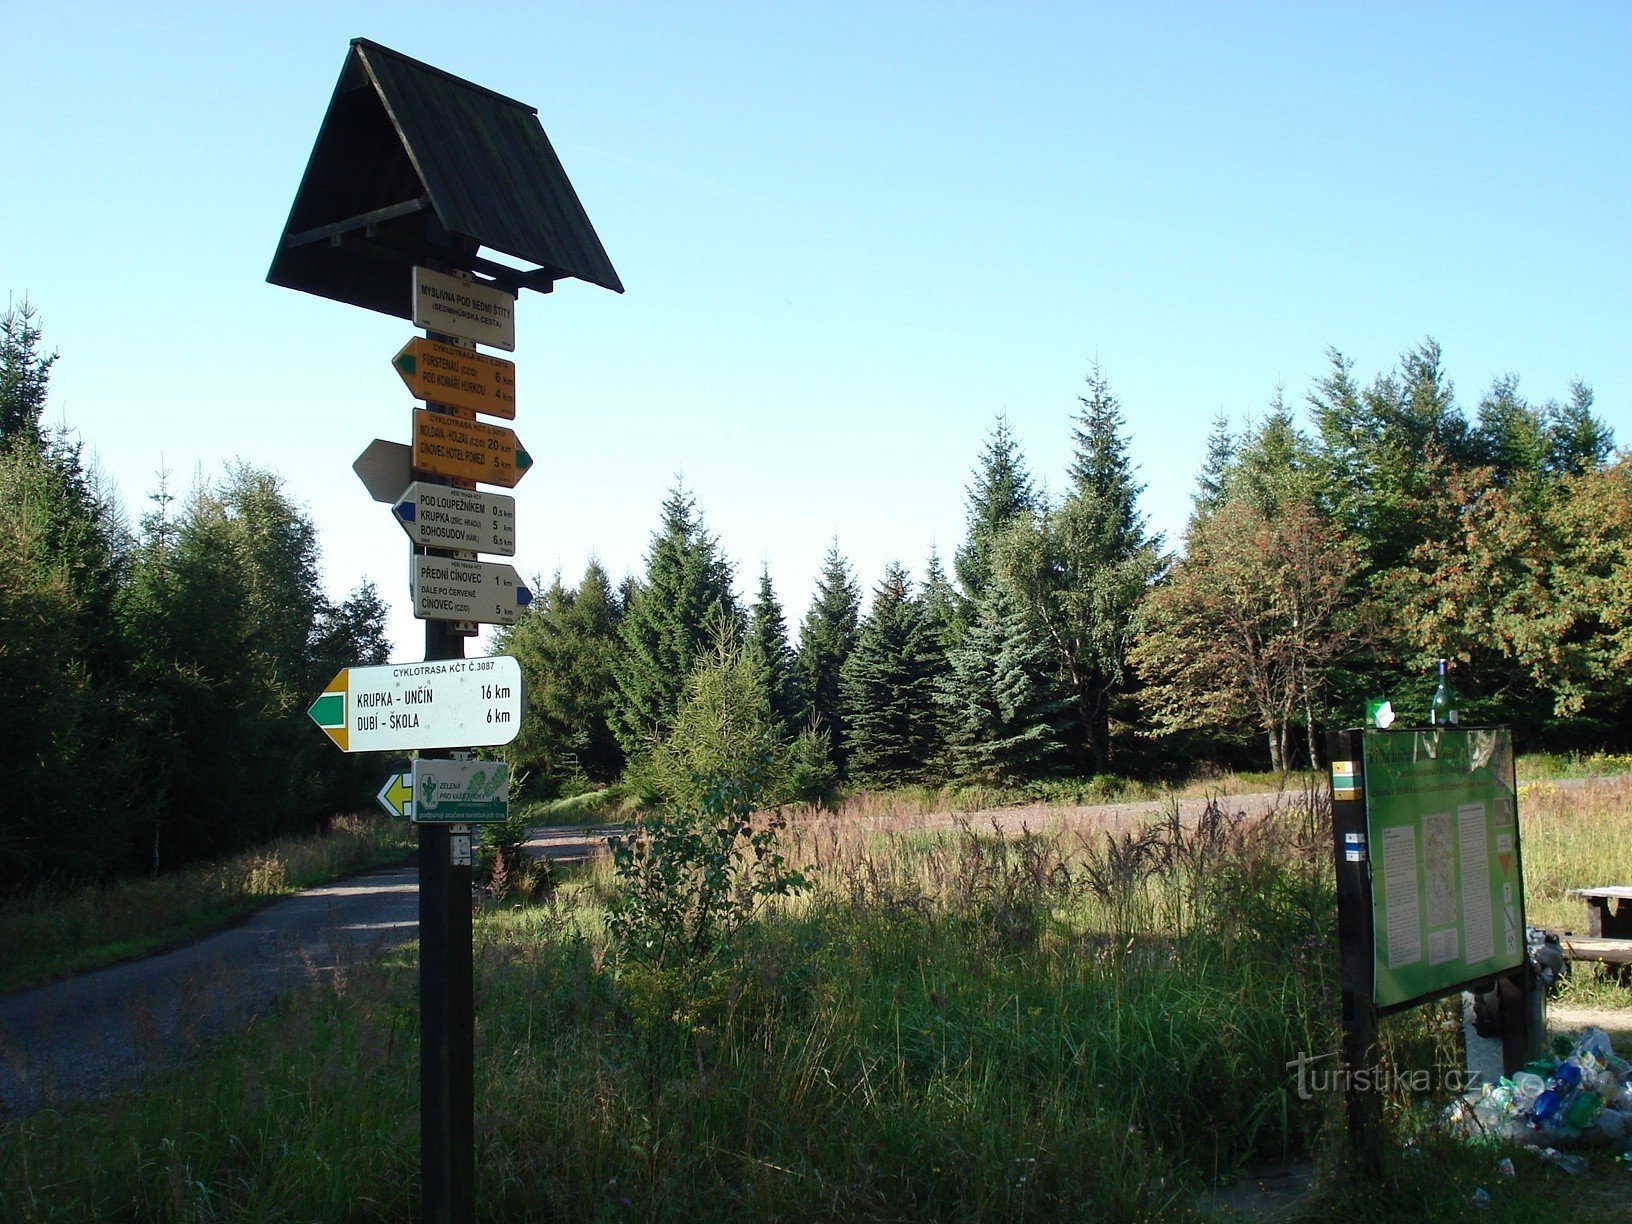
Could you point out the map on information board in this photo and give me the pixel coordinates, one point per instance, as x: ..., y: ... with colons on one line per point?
x: 1447, y: 886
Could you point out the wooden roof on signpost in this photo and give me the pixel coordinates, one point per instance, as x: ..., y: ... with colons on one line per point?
x: 415, y: 165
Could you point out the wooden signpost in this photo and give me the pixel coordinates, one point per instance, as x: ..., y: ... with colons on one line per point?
x: 357, y: 233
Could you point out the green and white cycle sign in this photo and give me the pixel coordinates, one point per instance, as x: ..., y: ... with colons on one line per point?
x: 1447, y: 883
x: 461, y: 792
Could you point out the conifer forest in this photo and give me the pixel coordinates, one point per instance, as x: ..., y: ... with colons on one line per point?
x: 1339, y: 542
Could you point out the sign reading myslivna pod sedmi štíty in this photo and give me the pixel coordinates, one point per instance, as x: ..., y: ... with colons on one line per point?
x: 404, y: 707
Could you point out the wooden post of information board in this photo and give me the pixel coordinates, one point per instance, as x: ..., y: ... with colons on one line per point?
x: 447, y: 995
x: 1356, y: 966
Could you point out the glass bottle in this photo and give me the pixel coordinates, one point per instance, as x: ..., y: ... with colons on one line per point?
x: 1442, y: 709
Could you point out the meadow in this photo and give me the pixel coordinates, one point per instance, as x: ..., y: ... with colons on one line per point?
x: 952, y: 1022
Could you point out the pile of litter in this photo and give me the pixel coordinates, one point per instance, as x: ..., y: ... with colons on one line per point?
x: 1579, y: 1094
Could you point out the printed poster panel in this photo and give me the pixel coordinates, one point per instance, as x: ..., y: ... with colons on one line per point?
x: 1446, y: 888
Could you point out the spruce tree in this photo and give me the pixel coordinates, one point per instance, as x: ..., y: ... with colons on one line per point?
x: 1102, y: 472
x: 566, y: 643
x: 827, y: 637
x: 767, y: 646
x: 1080, y: 569
x: 25, y: 372
x: 1000, y: 489
x: 889, y: 685
x: 669, y: 623
x: 1008, y: 719
x: 1215, y: 467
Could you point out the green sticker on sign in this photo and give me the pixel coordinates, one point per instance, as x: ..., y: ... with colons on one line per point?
x: 1447, y: 891
x: 461, y: 792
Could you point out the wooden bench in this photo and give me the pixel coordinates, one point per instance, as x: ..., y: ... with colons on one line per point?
x: 1609, y: 926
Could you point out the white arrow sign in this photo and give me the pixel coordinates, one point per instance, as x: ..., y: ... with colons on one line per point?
x: 484, y: 591
x: 385, y: 468
x: 454, y: 703
x: 440, y: 517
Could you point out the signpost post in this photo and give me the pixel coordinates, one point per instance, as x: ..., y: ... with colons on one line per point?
x: 485, y: 176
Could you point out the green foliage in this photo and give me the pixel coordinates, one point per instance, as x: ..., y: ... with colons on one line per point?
x: 1535, y: 586
x: 688, y: 881
x: 1247, y: 631
x: 812, y: 776
x: 693, y: 871
x: 25, y: 372
x: 668, y: 623
x: 1080, y: 569
x: 1000, y: 490
x: 63, y: 667
x: 1008, y: 720
x: 827, y: 638
x: 566, y: 644
x: 890, y: 685
x: 778, y: 671
x: 231, y: 636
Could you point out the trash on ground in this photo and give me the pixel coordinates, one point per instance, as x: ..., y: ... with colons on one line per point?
x: 1578, y: 1094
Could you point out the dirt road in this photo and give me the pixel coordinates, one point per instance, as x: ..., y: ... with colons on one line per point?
x: 89, y: 1035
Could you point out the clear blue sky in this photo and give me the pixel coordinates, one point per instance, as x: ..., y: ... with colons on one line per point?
x: 851, y: 234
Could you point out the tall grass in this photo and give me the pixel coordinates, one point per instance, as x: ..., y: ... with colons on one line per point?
x: 53, y: 931
x: 953, y: 1023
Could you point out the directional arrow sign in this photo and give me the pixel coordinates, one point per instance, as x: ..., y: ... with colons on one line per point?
x: 467, y: 450
x: 461, y: 792
x: 397, y: 795
x: 385, y: 468
x: 455, y: 703
x: 460, y: 378
x: 487, y: 592
x: 440, y: 517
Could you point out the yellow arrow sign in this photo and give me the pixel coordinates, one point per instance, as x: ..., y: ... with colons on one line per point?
x: 397, y: 795
x: 467, y: 450
x: 460, y: 378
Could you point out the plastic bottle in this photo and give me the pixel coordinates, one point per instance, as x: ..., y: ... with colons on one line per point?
x: 1580, y: 1109
x: 1546, y: 1107
x: 1527, y: 1086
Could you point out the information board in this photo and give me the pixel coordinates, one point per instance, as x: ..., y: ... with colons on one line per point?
x: 1446, y: 881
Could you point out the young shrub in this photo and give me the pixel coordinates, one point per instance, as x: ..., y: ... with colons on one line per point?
x: 692, y: 873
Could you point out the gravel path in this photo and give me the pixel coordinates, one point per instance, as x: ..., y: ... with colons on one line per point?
x: 100, y: 1031
x: 91, y: 1034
